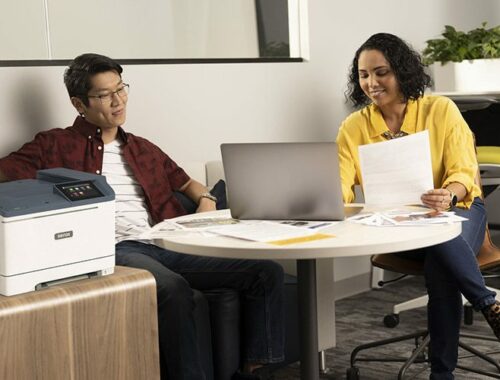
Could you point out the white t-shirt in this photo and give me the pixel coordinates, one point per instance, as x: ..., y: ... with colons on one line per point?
x: 132, y: 217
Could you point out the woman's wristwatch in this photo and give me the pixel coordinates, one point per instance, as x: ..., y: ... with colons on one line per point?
x: 454, y: 199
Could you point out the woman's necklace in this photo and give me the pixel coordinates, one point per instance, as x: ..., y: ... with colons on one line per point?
x: 393, y: 135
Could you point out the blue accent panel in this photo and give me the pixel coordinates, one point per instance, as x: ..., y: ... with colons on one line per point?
x: 30, y: 196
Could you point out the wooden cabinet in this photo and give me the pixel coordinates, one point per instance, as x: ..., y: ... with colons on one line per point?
x: 102, y: 328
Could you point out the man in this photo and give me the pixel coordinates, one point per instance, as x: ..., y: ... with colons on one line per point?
x: 144, y: 178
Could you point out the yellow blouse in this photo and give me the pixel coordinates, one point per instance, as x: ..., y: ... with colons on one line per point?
x: 452, y: 147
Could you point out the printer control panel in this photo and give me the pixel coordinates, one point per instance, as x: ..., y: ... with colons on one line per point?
x: 80, y: 190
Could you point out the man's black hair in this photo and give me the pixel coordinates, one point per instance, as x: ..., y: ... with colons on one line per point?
x: 80, y: 71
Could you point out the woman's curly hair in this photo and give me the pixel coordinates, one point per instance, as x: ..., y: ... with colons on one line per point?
x: 405, y: 62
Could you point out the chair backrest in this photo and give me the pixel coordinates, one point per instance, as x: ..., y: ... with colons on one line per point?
x: 489, y: 254
x: 487, y: 258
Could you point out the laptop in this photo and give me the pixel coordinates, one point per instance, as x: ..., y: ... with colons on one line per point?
x: 284, y: 181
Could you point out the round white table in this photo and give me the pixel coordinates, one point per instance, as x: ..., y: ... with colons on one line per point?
x: 351, y: 239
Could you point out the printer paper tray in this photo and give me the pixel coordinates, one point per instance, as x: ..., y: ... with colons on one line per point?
x: 26, y: 282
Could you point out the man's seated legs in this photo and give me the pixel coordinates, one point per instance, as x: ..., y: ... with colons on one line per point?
x: 259, y: 282
x: 177, y: 333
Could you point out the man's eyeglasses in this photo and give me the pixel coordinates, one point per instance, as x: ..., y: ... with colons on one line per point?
x: 122, y: 92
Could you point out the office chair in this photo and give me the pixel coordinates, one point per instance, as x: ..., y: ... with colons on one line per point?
x: 488, y: 158
x: 488, y: 258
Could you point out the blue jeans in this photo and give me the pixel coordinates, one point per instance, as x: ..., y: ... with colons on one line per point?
x: 450, y: 270
x: 259, y: 282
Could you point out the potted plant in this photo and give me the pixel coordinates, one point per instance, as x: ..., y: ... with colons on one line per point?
x: 467, y: 62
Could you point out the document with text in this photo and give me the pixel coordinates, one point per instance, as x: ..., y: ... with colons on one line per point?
x: 270, y: 232
x: 397, y: 171
x: 406, y: 217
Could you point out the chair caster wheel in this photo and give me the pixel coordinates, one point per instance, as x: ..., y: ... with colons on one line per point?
x: 468, y: 315
x: 391, y: 320
x: 352, y: 373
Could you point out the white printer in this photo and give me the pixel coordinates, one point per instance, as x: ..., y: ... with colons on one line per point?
x: 54, y: 228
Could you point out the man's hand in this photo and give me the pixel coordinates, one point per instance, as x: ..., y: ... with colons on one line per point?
x: 206, y: 205
x: 196, y: 191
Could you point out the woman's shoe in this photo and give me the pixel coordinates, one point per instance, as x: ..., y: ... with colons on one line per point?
x: 492, y: 315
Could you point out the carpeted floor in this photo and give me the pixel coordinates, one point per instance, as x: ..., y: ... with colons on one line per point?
x: 359, y: 320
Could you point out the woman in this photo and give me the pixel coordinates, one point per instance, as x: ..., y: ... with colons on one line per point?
x: 387, y: 80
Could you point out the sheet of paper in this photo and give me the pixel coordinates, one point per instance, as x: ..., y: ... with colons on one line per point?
x: 186, y: 225
x: 204, y: 222
x: 272, y: 232
x: 269, y: 232
x: 399, y: 217
x: 398, y: 171
x: 311, y: 224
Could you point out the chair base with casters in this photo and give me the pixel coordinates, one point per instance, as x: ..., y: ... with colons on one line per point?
x: 392, y: 320
x: 487, y: 259
x: 420, y: 355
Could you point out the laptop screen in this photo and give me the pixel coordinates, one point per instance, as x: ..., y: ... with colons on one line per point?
x: 283, y: 181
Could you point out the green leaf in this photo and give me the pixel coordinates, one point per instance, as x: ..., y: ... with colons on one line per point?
x: 456, y: 45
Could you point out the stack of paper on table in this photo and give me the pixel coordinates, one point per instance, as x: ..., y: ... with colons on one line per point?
x: 274, y: 232
x: 408, y: 217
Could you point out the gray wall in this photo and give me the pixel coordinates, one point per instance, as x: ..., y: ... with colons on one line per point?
x: 41, y: 29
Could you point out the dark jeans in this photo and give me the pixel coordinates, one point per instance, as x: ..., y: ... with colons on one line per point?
x: 259, y: 282
x: 451, y: 270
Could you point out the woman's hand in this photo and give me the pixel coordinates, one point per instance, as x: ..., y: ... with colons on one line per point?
x: 438, y: 199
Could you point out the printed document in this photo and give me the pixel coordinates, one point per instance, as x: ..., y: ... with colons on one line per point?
x: 270, y: 232
x: 185, y: 225
x: 397, y: 171
x: 406, y: 217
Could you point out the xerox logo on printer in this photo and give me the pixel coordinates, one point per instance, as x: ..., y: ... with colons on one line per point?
x: 63, y: 235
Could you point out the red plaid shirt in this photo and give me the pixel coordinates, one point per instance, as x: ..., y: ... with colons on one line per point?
x: 80, y: 147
